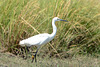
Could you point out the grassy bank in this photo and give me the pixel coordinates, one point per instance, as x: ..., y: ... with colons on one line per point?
x: 9, y: 60
x: 20, y: 19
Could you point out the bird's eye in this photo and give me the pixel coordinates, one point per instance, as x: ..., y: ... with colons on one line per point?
x: 57, y: 18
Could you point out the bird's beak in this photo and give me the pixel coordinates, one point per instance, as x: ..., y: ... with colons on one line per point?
x: 63, y: 20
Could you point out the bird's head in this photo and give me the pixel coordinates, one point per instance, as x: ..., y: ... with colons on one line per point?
x: 58, y: 19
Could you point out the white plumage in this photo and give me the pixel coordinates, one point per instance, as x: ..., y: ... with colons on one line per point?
x: 41, y: 39
x: 36, y: 40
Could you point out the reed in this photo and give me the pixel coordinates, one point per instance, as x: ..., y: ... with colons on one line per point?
x: 20, y: 19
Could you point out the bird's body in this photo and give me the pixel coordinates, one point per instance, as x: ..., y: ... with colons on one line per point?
x: 37, y: 40
x: 41, y: 39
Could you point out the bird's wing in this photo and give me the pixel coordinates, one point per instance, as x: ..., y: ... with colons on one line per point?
x: 37, y: 39
x: 44, y: 38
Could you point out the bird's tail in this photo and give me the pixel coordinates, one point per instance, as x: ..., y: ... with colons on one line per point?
x: 21, y: 43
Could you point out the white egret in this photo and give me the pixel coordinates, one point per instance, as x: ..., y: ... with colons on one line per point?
x: 41, y: 39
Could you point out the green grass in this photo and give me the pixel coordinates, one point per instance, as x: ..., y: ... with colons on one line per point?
x: 20, y: 19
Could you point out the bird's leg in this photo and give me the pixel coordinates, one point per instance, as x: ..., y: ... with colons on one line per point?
x: 26, y: 50
x: 34, y: 56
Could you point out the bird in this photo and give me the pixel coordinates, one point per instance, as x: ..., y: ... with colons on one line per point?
x: 41, y: 39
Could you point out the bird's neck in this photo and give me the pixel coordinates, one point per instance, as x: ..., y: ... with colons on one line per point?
x: 54, y: 29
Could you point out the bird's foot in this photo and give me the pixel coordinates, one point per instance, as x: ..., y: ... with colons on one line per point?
x: 34, y: 56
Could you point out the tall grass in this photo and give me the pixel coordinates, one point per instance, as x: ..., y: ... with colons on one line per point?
x: 20, y: 19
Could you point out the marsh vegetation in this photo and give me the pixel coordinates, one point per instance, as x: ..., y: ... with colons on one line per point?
x: 20, y: 19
